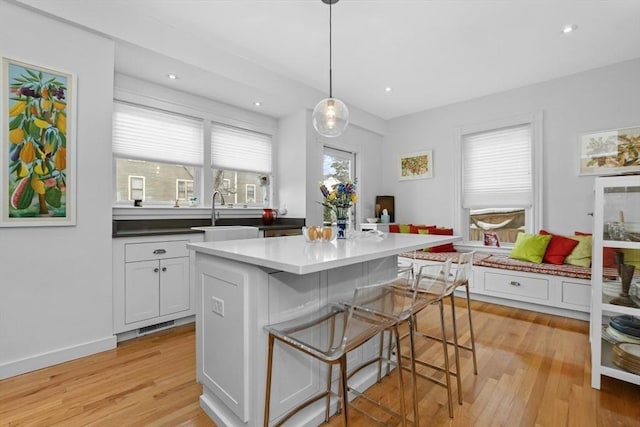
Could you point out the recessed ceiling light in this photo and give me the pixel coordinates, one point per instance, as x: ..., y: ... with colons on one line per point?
x: 569, y: 29
x: 387, y: 89
x: 172, y: 76
x: 258, y: 104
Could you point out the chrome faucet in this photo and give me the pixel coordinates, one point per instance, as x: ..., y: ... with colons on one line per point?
x: 213, y: 206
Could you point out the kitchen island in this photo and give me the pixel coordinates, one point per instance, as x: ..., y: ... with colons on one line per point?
x: 243, y: 285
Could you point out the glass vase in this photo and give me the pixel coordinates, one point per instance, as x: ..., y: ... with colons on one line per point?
x: 342, y: 219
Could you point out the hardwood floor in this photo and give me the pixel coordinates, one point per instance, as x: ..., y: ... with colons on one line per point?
x: 534, y: 370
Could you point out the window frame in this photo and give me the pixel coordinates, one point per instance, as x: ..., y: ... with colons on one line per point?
x: 192, y: 108
x: 533, y: 214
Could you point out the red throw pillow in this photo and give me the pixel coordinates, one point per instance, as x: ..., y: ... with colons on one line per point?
x: 394, y: 228
x: 608, y: 254
x: 558, y: 249
x: 442, y: 232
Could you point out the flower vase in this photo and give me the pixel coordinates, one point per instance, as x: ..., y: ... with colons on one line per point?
x: 342, y: 215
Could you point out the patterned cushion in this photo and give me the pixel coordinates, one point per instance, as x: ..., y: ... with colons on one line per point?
x: 565, y: 270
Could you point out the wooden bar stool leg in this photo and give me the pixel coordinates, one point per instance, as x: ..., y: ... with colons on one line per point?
x: 267, y: 399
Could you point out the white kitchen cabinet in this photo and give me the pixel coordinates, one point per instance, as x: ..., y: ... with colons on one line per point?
x: 617, y: 201
x: 151, y: 280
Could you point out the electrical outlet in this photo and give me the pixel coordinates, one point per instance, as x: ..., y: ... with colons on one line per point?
x: 217, y: 306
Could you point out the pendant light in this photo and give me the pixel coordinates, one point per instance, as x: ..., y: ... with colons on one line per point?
x: 331, y: 116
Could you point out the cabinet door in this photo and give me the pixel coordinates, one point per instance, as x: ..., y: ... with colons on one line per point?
x: 142, y: 294
x: 174, y: 285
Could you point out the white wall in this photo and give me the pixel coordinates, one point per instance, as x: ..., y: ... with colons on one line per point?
x: 55, y: 288
x: 600, y: 99
x: 300, y: 158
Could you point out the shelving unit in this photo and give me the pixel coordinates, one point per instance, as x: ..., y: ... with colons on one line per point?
x: 617, y: 199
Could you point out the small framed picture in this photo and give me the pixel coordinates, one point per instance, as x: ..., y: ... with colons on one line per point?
x: 416, y: 165
x: 610, y: 152
x: 491, y: 239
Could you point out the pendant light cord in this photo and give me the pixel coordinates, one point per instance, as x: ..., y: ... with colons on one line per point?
x: 330, y: 55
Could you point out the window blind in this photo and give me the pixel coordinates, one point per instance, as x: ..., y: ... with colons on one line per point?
x: 233, y: 148
x: 146, y: 134
x: 497, y: 168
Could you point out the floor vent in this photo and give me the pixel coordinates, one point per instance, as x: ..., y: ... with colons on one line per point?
x: 153, y: 328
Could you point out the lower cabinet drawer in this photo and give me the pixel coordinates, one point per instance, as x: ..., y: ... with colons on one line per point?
x: 576, y: 294
x: 156, y: 250
x: 512, y: 285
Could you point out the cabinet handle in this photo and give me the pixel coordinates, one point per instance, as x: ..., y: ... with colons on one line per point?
x: 514, y: 283
x: 160, y: 251
x: 164, y: 268
x: 155, y: 270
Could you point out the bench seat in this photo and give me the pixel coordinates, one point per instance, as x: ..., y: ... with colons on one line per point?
x: 564, y: 289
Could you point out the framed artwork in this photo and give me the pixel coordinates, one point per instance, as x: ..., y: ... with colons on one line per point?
x: 416, y: 165
x: 610, y: 152
x: 38, y: 146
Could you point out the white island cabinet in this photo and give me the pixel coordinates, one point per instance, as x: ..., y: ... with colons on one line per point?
x: 243, y: 285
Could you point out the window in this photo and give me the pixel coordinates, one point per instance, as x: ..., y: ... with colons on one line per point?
x: 250, y: 193
x: 171, y: 151
x: 338, y: 166
x: 499, y: 180
x: 163, y: 148
x: 136, y: 187
x: 239, y: 157
x: 184, y: 189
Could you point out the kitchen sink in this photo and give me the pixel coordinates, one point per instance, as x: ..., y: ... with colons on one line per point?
x: 228, y: 232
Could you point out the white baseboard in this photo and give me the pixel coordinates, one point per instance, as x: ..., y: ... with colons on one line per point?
x: 44, y: 360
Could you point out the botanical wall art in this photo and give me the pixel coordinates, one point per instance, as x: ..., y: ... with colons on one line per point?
x: 610, y: 152
x: 37, y: 157
x: 416, y: 165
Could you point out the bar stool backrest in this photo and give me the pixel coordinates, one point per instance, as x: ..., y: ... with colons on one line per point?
x: 463, y: 271
x: 435, y: 279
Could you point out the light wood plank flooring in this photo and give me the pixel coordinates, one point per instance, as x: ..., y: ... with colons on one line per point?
x: 534, y: 370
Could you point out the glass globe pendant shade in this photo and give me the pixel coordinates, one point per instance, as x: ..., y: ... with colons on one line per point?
x: 330, y: 117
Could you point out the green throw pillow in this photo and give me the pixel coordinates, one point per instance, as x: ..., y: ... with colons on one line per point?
x: 581, y: 254
x: 530, y: 247
x: 631, y: 256
x: 424, y: 231
x: 405, y: 228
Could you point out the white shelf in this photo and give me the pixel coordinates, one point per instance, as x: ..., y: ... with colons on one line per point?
x: 614, y: 197
x: 622, y: 244
x: 609, y: 369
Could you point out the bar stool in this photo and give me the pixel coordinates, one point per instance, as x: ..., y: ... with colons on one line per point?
x: 400, y: 300
x: 344, y: 328
x: 461, y: 278
x: 432, y: 287
x: 463, y: 274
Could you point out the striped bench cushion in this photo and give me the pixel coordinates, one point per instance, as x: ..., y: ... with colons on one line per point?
x: 505, y: 263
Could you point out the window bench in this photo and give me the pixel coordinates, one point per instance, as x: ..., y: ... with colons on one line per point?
x: 564, y: 290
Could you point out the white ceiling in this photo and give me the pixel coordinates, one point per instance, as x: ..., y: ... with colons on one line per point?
x: 431, y: 53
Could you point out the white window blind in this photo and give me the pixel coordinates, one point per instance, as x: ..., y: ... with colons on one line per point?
x: 146, y: 134
x: 497, y: 168
x: 233, y: 148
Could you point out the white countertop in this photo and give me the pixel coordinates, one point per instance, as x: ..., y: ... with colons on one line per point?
x: 294, y: 255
